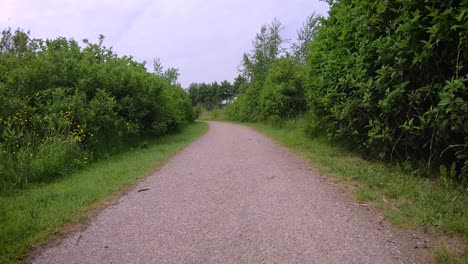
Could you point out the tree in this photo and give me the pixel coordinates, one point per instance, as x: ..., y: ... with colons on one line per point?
x: 171, y: 75
x: 210, y: 95
x: 194, y: 93
x: 238, y: 85
x: 225, y: 91
x: 305, y: 35
x: 157, y: 67
x: 267, y: 48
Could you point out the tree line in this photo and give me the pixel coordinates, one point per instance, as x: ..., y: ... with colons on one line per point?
x: 210, y: 95
x: 388, y: 77
x: 64, y: 104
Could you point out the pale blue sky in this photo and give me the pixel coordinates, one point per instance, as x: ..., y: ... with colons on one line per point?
x: 205, y: 39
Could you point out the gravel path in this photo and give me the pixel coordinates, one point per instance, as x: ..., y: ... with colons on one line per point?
x: 235, y: 196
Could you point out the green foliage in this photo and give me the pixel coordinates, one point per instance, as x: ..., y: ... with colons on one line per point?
x: 178, y: 110
x: 283, y: 91
x: 197, y: 110
x: 245, y: 107
x: 238, y: 86
x: 447, y: 255
x: 255, y: 67
x: 305, y: 35
x: 62, y: 104
x: 268, y: 46
x: 276, y: 81
x: 212, y: 95
x: 391, y: 77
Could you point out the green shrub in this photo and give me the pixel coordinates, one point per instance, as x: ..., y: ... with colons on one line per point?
x: 283, y: 93
x: 60, y: 101
x: 388, y: 78
x: 245, y: 107
x: 197, y: 110
x: 391, y: 77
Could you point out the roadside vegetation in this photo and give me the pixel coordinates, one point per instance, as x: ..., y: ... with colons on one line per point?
x: 389, y: 78
x: 375, y: 95
x: 78, y: 123
x: 64, y: 105
x: 33, y: 215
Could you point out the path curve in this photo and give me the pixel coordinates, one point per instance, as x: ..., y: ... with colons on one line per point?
x: 235, y: 196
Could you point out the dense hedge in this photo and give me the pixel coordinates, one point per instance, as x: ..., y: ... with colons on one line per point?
x: 388, y: 77
x: 392, y: 77
x: 276, y: 80
x: 281, y: 94
x: 61, y: 104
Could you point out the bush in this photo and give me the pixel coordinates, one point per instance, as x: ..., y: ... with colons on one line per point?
x: 280, y: 94
x: 197, y: 110
x: 245, y: 107
x: 62, y: 104
x: 388, y: 78
x: 391, y: 77
x: 283, y: 93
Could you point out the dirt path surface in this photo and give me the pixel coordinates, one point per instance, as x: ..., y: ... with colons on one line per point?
x: 235, y: 196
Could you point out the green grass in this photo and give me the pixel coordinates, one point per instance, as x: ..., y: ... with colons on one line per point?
x: 444, y: 254
x: 31, y: 216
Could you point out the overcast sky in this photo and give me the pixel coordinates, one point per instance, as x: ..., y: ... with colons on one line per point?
x: 205, y: 39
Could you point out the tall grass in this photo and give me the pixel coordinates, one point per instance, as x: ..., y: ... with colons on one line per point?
x: 55, y: 156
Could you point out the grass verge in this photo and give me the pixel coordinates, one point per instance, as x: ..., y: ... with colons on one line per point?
x: 406, y: 199
x: 31, y: 216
